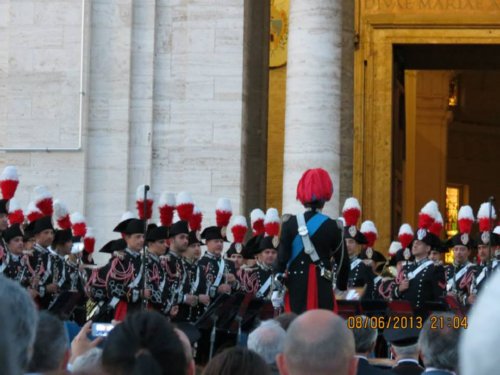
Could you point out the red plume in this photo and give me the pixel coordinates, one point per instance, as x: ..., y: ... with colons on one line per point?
x: 9, y: 181
x: 239, y: 229
x: 314, y: 185
x: 427, y: 215
x: 166, y: 208
x: 61, y: 214
x: 33, y: 213
x: 185, y: 205
x: 43, y: 200
x: 465, y: 219
x: 370, y: 232
x: 89, y: 241
x: 483, y: 216
x: 223, y: 212
x: 257, y: 217
x: 16, y: 215
x: 139, y: 204
x: 195, y: 219
x: 272, y: 222
x: 405, y: 235
x: 437, y: 225
x: 351, y: 211
x: 78, y: 224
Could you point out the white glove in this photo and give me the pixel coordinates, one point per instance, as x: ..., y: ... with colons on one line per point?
x: 277, y: 299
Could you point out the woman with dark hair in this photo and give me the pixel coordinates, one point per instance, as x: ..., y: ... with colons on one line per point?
x: 145, y: 343
x: 239, y: 361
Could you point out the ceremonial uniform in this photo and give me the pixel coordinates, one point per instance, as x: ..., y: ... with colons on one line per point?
x: 459, y: 280
x: 15, y: 267
x: 214, y: 269
x: 361, y: 275
x: 308, y: 290
x: 179, y: 284
x: 198, y: 286
x: 427, y: 283
x: 257, y: 280
x: 40, y: 267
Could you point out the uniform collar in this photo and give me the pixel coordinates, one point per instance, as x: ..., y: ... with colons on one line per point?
x: 132, y: 253
x: 421, y: 261
x: 264, y: 267
x: 40, y: 249
x: 154, y: 256
x: 406, y: 360
x: 209, y: 255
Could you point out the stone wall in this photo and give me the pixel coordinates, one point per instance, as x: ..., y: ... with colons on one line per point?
x: 162, y: 104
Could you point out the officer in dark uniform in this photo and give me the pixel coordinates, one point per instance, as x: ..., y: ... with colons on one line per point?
x: 424, y: 281
x: 61, y: 246
x: 219, y: 272
x: 180, y: 298
x: 15, y: 262
x: 360, y: 274
x: 4, y: 223
x: 197, y: 281
x: 461, y: 274
x: 487, y: 264
x: 311, y: 283
x: 156, y: 280
x: 123, y: 274
x: 258, y: 280
x: 40, y: 262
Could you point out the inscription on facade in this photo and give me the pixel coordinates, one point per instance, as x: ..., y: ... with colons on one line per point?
x: 431, y: 5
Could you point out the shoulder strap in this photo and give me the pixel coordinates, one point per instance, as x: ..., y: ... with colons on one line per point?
x: 309, y: 229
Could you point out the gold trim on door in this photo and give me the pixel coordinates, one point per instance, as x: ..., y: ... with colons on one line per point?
x: 378, y: 29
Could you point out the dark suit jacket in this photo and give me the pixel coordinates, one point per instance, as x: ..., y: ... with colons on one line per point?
x: 364, y: 368
x: 408, y: 368
x: 328, y: 243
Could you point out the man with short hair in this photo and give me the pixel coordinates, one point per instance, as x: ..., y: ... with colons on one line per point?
x: 438, y: 343
x: 268, y: 340
x: 17, y: 305
x: 51, y: 349
x: 479, y: 343
x: 404, y: 349
x: 365, y: 338
x: 258, y: 280
x: 422, y: 281
x: 180, y: 291
x: 460, y: 274
x: 318, y: 342
x: 41, y: 260
x: 156, y: 282
x: 15, y: 262
x: 219, y: 272
x: 123, y: 274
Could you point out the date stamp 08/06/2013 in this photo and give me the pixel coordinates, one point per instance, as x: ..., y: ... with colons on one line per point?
x: 407, y: 322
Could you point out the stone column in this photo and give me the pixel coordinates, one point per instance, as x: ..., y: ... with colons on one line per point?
x: 313, y: 96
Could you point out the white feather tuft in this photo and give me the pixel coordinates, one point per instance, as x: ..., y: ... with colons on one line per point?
x: 76, y: 218
x: 14, y: 205
x: 183, y: 198
x: 60, y: 209
x: 395, y: 247
x: 497, y: 230
x: 89, y: 233
x: 32, y: 208
x: 431, y: 209
x: 240, y: 220
x: 351, y: 203
x: 139, y: 193
x: 224, y: 204
x: 466, y: 212
x: 167, y: 199
x: 272, y: 216
x: 257, y: 214
x: 484, y: 211
x: 439, y: 218
x: 41, y: 193
x: 368, y: 226
x: 196, y: 210
x: 405, y: 229
x: 9, y: 173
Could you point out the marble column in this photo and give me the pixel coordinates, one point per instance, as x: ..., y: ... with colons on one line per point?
x: 313, y: 96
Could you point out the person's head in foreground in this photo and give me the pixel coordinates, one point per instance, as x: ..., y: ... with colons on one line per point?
x: 237, y: 360
x: 438, y: 342
x: 145, y: 343
x: 480, y: 343
x: 267, y: 340
x: 318, y: 342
